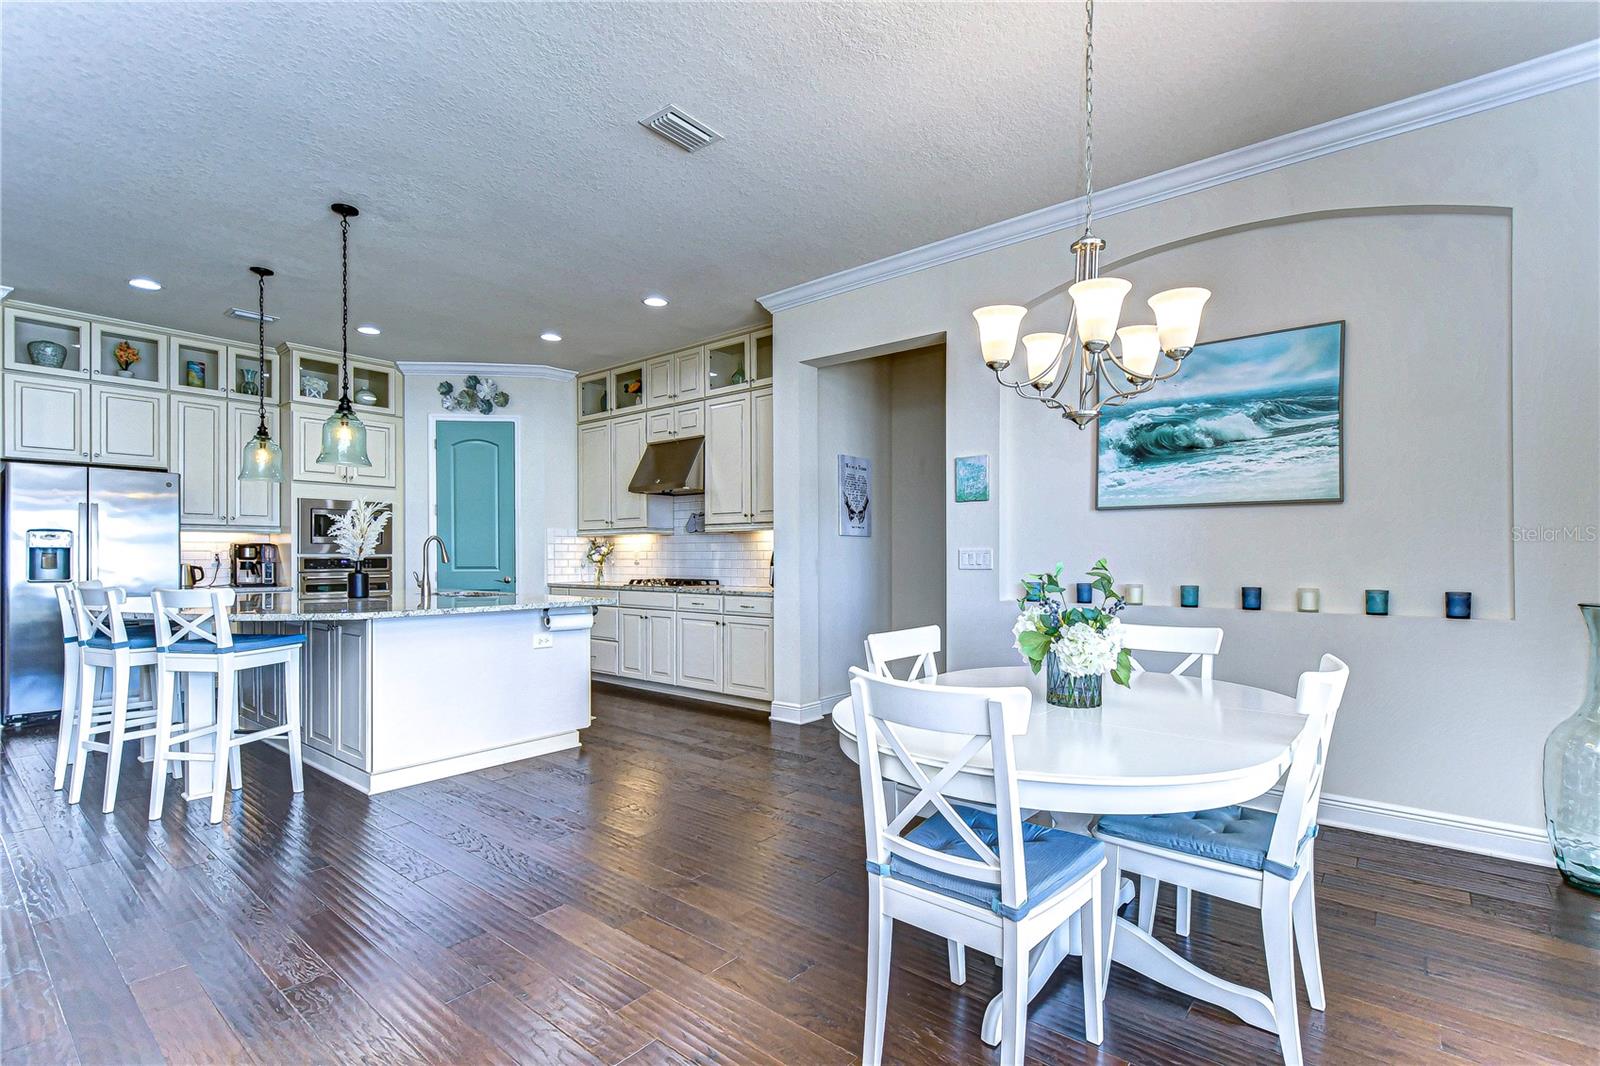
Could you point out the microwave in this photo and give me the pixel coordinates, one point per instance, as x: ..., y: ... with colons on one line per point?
x: 314, y: 528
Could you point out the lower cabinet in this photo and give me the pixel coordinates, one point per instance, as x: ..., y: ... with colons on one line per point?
x: 700, y: 651
x: 645, y: 645
x: 337, y: 663
x: 747, y: 657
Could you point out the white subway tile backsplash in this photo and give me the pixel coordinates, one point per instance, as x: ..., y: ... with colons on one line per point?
x: 731, y: 558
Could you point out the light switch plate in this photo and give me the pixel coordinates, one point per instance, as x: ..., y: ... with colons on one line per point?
x: 543, y: 640
x: 974, y: 559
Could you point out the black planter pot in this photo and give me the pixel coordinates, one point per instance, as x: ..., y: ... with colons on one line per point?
x: 358, y: 585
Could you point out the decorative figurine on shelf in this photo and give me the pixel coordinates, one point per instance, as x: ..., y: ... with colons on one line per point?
x: 599, y: 551
x: 476, y: 394
x: 357, y: 533
x: 194, y: 374
x: 126, y: 355
x: 1079, y: 644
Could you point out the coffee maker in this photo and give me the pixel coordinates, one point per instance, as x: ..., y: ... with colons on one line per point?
x: 255, y: 565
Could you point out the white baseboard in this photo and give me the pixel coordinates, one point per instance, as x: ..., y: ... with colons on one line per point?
x: 1519, y: 843
x: 801, y: 713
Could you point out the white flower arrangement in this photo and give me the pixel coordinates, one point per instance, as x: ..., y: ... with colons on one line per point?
x: 1083, y: 639
x: 1082, y: 650
x: 359, y: 529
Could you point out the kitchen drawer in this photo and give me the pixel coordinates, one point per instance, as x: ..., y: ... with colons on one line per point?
x: 663, y: 600
x: 603, y: 654
x: 747, y: 605
x: 699, y: 601
x: 605, y: 624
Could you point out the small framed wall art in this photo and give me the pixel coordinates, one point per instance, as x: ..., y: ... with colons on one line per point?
x: 972, y: 478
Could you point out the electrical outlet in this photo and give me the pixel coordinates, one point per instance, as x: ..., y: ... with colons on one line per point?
x: 974, y: 559
x: 543, y: 640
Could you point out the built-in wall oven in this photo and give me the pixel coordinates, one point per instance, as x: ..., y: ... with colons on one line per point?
x: 323, y: 570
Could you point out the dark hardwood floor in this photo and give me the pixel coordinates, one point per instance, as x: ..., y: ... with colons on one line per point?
x: 687, y: 887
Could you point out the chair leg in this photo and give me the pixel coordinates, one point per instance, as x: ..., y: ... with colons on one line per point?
x: 1181, y: 923
x: 158, y: 764
x: 958, y: 962
x: 225, y: 746
x: 1277, y: 933
x: 1090, y: 938
x: 235, y: 762
x: 69, y: 717
x: 86, y: 683
x: 1305, y: 939
x: 1013, y: 997
x: 120, y: 676
x: 291, y: 715
x: 1110, y: 890
x: 880, y: 939
x: 1149, y: 892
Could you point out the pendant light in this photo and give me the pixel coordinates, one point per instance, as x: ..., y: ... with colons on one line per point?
x: 262, y: 459
x: 344, y: 438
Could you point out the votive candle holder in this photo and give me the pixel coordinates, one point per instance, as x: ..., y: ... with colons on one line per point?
x: 1308, y: 599
x: 1250, y: 597
x: 1189, y: 595
x: 1458, y: 605
x: 1085, y: 592
x: 1133, y: 595
x: 1377, y: 601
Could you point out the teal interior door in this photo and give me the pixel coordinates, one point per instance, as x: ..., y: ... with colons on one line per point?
x: 475, y: 490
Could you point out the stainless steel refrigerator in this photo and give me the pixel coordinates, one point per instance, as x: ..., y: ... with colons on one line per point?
x: 73, y: 523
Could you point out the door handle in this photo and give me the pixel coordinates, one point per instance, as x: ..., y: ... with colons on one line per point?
x: 94, y: 541
x: 506, y: 580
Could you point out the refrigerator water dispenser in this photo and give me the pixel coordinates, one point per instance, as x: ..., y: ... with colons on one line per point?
x: 49, y: 554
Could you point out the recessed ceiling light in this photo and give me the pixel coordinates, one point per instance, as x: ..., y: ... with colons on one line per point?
x: 369, y: 329
x: 147, y: 284
x: 550, y: 335
x: 655, y: 301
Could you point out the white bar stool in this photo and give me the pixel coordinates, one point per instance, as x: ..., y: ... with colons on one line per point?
x: 192, y: 635
x: 107, y: 642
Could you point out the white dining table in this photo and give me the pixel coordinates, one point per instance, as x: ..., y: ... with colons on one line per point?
x: 1162, y: 745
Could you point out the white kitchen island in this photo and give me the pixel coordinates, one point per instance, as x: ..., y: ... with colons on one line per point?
x: 396, y: 693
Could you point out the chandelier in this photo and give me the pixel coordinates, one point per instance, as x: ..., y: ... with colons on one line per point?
x: 1098, y: 375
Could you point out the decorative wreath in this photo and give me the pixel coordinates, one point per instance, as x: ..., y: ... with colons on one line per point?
x: 476, y: 394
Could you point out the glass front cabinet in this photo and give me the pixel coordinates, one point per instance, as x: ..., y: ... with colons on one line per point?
x: 314, y: 378
x: 42, y: 342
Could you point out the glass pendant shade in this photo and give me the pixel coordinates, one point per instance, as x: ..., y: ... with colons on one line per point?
x: 998, y: 326
x: 1044, y: 350
x: 262, y: 459
x: 344, y: 440
x: 1140, y: 349
x: 1178, y: 317
x: 1098, y: 302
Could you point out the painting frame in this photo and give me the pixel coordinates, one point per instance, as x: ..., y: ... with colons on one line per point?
x: 1343, y: 325
x: 971, y: 477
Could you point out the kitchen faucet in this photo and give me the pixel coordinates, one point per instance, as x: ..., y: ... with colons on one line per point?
x: 427, y: 570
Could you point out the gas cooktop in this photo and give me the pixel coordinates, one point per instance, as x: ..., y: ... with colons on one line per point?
x: 674, y: 582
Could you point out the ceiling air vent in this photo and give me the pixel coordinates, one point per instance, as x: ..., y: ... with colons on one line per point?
x: 249, y: 316
x: 687, y: 133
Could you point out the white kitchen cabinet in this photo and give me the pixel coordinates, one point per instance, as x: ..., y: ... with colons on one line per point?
x: 699, y: 650
x: 149, y: 348
x: 46, y: 418
x: 633, y: 644
x: 314, y: 378
x: 727, y: 365
x: 382, y: 447
x: 671, y: 379
x: 129, y: 426
x: 747, y: 657
x: 251, y: 504
x: 199, y: 366
x: 608, y: 454
x: 738, y: 459
x: 684, y: 420
x: 336, y: 670
x: 761, y: 456
x: 198, y: 451
x: 662, y: 629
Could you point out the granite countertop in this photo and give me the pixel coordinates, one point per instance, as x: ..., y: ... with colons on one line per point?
x: 618, y: 586
x: 286, y: 607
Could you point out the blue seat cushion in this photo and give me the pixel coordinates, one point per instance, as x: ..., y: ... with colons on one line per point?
x: 1237, y: 836
x: 1054, y: 859
x: 138, y: 637
x: 242, y: 642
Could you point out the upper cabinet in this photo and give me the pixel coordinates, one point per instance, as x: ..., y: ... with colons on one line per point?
x: 728, y: 365
x: 199, y: 366
x: 724, y: 367
x: 251, y: 376
x: 314, y: 378
x: 46, y: 343
x: 128, y: 356
x: 675, y: 378
x: 627, y: 387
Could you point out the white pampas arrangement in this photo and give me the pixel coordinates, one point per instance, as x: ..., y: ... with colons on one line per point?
x: 359, y: 529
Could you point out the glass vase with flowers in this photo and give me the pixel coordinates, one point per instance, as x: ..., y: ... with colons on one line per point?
x: 1078, y: 644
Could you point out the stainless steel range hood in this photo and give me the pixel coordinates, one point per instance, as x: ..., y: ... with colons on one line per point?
x: 671, y: 468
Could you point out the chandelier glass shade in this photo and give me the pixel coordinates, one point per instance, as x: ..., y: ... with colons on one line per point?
x: 1082, y: 371
x: 262, y: 459
x: 344, y: 437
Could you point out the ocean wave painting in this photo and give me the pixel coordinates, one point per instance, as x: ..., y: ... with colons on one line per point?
x: 1248, y: 420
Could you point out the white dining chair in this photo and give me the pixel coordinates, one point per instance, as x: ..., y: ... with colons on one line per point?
x: 193, y: 636
x: 920, y: 644
x: 1198, y: 644
x: 107, y: 642
x: 977, y: 878
x: 1256, y: 858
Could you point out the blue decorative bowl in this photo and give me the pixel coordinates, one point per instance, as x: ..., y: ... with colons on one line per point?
x: 47, y: 353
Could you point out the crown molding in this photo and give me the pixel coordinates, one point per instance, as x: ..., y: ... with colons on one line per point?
x: 499, y: 370
x: 1544, y: 74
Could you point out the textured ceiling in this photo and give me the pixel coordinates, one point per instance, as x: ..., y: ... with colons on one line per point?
x: 506, y: 187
